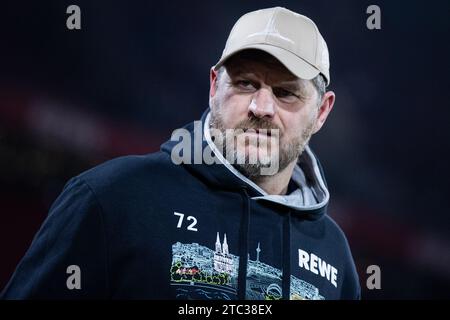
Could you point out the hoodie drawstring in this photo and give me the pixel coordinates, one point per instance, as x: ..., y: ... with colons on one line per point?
x: 243, y: 248
x: 286, y: 280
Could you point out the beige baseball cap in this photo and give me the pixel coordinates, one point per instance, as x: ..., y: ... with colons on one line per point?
x: 288, y: 36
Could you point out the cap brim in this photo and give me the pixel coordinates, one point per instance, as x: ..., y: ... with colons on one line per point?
x: 292, y: 62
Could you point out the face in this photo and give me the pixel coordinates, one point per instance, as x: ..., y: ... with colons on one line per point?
x: 256, y: 92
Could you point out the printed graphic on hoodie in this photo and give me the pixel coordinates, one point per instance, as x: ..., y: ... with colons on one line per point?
x: 199, y: 272
x: 202, y: 273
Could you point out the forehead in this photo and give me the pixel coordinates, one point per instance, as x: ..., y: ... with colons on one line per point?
x: 261, y: 64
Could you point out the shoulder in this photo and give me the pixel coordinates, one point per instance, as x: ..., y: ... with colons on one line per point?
x: 335, y: 232
x: 126, y: 166
x: 351, y: 288
x: 125, y: 178
x: 337, y: 236
x: 127, y: 170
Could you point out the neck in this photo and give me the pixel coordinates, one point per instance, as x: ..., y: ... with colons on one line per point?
x: 278, y: 183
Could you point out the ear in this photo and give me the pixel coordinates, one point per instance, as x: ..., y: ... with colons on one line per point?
x: 212, y: 82
x: 324, y: 109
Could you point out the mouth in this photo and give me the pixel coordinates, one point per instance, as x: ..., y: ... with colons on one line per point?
x: 265, y: 132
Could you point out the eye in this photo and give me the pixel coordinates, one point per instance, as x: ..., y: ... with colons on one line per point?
x: 282, y: 93
x: 245, y: 85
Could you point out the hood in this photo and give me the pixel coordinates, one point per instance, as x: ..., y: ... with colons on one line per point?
x: 309, y: 198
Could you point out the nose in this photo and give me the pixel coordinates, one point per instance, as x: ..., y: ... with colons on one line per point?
x: 262, y: 104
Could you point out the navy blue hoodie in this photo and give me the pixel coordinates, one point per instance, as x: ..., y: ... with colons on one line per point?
x: 142, y: 227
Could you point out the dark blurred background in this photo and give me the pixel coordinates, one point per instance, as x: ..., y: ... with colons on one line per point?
x: 137, y: 70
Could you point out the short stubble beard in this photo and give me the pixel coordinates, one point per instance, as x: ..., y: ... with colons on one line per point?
x: 288, y: 152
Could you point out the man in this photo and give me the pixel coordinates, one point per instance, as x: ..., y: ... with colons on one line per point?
x: 232, y: 207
